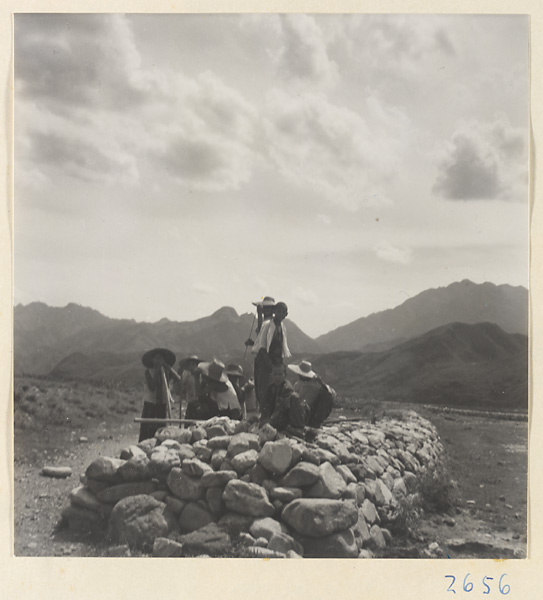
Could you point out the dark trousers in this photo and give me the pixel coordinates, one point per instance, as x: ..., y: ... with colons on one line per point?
x: 151, y: 411
x: 263, y: 370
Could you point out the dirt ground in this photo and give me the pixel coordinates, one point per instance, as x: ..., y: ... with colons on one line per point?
x: 487, y: 459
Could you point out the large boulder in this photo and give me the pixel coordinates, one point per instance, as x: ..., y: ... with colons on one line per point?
x: 242, y: 442
x: 105, y: 468
x: 329, y: 485
x: 276, y: 457
x: 369, y: 511
x: 82, y: 497
x: 210, y: 539
x: 285, y: 494
x: 218, y: 478
x: 122, y: 490
x: 301, y: 475
x: 184, y: 486
x: 220, y: 442
x: 282, y: 542
x: 195, y: 467
x: 361, y: 531
x: 247, y: 499
x: 266, y: 528
x: 234, y: 523
x: 137, y: 468
x: 341, y: 544
x: 214, y: 500
x: 243, y: 461
x: 194, y: 516
x: 163, y: 459
x: 317, y: 517
x: 183, y: 436
x: 138, y: 521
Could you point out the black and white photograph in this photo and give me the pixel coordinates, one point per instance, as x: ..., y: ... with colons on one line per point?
x: 271, y: 283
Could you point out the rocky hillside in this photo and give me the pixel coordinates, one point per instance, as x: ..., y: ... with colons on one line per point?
x: 464, y: 302
x: 78, y: 341
x: 473, y: 366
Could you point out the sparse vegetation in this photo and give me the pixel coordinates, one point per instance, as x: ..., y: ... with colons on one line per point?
x: 406, y: 515
x: 438, y: 492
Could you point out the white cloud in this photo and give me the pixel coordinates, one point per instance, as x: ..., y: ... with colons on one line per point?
x: 303, y: 57
x: 484, y: 161
x: 261, y: 284
x: 198, y: 131
x: 203, y: 288
x: 324, y: 219
x: 344, y: 156
x: 386, y: 251
x: 306, y: 296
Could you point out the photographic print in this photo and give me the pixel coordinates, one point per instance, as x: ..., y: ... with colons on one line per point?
x: 271, y: 285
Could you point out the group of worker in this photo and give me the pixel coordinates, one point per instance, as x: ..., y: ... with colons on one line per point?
x: 208, y: 389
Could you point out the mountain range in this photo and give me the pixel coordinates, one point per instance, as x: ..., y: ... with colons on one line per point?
x: 459, y: 341
x: 464, y: 302
x: 45, y: 336
x: 459, y: 364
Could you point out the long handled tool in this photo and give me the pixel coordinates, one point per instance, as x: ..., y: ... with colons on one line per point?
x: 166, y: 393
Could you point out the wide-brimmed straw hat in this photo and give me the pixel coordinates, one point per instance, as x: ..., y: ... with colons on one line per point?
x: 215, y: 370
x: 303, y: 369
x: 192, y: 358
x: 234, y: 370
x: 148, y: 358
x: 266, y: 301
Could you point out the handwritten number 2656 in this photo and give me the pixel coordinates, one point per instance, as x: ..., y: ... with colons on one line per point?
x: 467, y: 586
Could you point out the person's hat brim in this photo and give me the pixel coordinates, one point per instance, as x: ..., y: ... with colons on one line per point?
x: 168, y: 355
x: 267, y: 301
x: 204, y: 368
x: 308, y: 374
x: 234, y: 371
x: 185, y: 361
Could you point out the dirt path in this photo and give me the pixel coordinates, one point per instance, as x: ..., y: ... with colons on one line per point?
x: 40, y: 500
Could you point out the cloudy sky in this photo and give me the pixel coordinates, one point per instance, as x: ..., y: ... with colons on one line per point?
x: 166, y: 166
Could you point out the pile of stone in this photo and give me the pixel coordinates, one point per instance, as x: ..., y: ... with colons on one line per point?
x: 224, y: 489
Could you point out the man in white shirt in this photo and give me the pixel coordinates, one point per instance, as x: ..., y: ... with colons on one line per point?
x: 270, y: 348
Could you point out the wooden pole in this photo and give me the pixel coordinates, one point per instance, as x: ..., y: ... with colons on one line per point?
x: 166, y: 393
x: 167, y: 419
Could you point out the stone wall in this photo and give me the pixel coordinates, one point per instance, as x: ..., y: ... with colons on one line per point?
x: 225, y: 489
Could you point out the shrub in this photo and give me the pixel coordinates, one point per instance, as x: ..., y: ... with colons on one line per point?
x: 406, y: 515
x: 439, y: 493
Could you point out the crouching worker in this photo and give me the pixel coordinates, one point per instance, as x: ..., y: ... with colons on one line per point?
x: 218, y: 388
x: 282, y: 407
x: 317, y: 395
x: 158, y: 372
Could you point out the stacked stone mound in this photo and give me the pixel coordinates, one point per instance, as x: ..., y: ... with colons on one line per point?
x: 220, y: 489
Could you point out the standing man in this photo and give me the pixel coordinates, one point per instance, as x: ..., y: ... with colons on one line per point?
x: 158, y: 365
x: 264, y: 310
x: 270, y: 348
x: 189, y: 384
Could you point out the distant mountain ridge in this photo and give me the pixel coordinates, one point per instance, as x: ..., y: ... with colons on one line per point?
x: 459, y: 364
x: 45, y: 336
x: 464, y: 302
